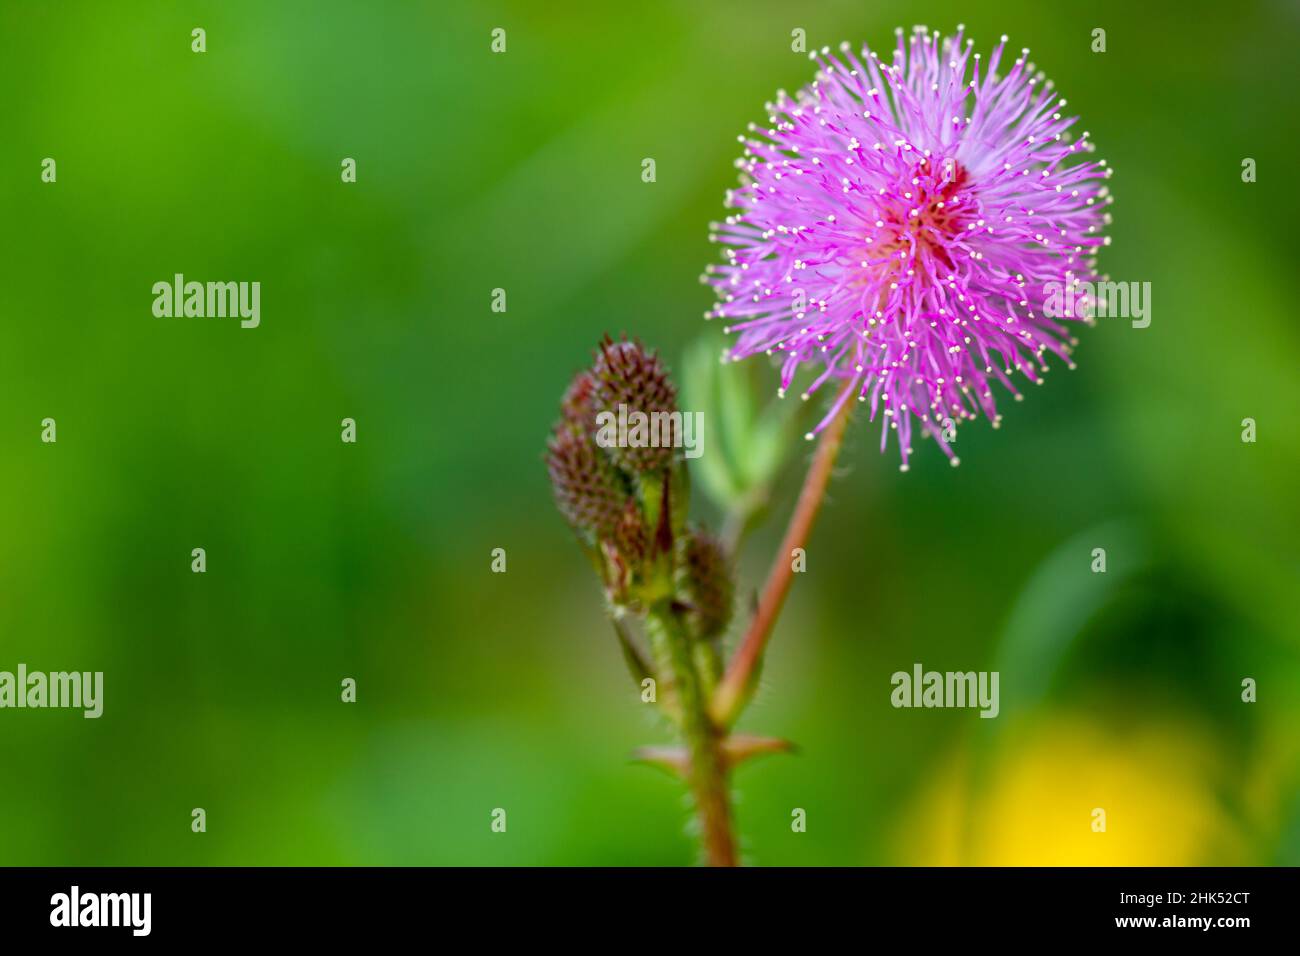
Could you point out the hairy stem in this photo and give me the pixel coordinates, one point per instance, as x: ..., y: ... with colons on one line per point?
x: 707, y: 773
x: 737, y: 683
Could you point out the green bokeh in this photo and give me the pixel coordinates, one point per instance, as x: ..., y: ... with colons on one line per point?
x: 480, y: 690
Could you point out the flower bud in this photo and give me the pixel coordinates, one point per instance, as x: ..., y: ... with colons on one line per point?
x: 578, y: 404
x: 705, y: 583
x: 626, y: 375
x: 589, y: 492
x: 630, y: 536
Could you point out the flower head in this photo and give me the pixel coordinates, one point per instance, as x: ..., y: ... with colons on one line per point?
x: 626, y: 502
x: 896, y: 225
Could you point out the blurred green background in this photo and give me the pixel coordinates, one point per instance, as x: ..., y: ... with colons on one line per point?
x: 479, y: 690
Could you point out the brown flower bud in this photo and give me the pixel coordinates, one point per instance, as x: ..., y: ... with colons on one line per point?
x: 630, y: 537
x: 589, y: 491
x: 626, y: 375
x: 578, y: 405
x: 705, y: 583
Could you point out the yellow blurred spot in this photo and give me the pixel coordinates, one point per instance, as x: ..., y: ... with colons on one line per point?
x: 1033, y: 804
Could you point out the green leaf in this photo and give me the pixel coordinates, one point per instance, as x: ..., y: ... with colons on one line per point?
x: 748, y: 440
x: 700, y: 393
x: 1056, y: 604
x: 770, y: 441
x: 736, y: 400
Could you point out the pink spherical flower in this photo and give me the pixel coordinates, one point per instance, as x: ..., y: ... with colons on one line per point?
x: 899, y: 223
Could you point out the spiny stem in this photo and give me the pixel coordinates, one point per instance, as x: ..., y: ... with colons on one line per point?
x: 735, y: 687
x: 707, y: 773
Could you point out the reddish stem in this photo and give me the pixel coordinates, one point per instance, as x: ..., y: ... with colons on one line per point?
x: 736, y: 684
